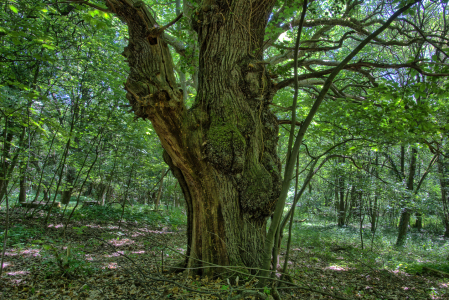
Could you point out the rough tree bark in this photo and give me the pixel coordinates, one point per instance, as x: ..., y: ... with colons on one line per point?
x: 223, y: 149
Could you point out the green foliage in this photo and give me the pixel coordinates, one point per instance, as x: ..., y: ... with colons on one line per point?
x: 68, y: 263
x: 421, y: 250
x: 417, y: 268
x: 140, y: 213
x: 266, y: 290
x: 20, y: 235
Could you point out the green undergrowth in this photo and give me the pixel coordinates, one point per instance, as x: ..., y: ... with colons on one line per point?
x: 419, y: 268
x: 330, y: 243
x: 20, y: 235
x: 137, y: 213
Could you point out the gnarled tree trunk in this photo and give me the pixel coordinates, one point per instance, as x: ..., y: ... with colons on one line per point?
x: 223, y: 149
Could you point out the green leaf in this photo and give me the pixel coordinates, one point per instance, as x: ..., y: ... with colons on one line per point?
x: 50, y: 47
x: 14, y: 9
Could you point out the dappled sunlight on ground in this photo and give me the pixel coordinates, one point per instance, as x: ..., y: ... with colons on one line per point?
x: 164, y: 230
x: 336, y: 268
x: 55, y: 226
x: 111, y: 265
x: 137, y: 234
x: 122, y: 242
x: 30, y: 252
x: 94, y: 226
x: 18, y: 273
x: 149, y: 249
x: 115, y: 254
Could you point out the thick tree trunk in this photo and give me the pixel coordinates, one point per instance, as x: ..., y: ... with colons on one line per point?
x: 223, y: 149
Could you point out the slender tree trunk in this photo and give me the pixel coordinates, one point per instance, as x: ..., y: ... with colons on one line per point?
x: 443, y: 170
x: 22, y: 189
x: 375, y: 204
x: 405, y: 213
x: 418, y: 222
x: 46, y: 197
x: 159, y: 192
x: 67, y: 192
x: 403, y: 226
x: 446, y: 226
x: 341, y: 205
x: 8, y: 167
x: 374, y: 213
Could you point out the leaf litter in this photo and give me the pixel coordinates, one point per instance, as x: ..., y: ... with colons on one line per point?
x: 101, y: 260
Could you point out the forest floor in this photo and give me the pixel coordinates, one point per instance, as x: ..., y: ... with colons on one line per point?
x: 98, y: 258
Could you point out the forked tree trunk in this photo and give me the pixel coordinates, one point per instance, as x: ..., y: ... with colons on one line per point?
x: 223, y: 149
